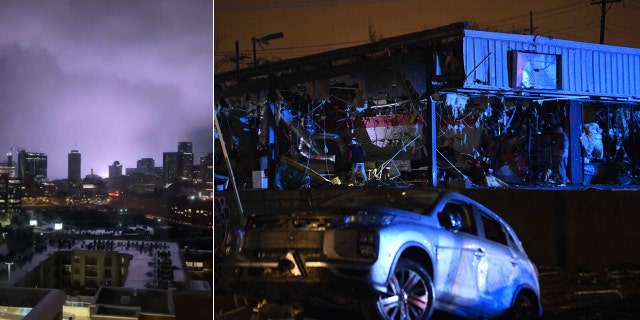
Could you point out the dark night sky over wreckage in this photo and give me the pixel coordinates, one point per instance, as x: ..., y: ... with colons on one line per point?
x: 313, y: 26
x: 115, y: 79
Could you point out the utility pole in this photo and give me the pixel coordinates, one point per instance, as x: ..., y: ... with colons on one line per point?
x: 264, y: 40
x: 530, y: 22
x: 237, y: 56
x: 603, y: 14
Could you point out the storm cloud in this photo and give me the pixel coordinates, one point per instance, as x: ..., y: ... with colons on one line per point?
x: 117, y: 80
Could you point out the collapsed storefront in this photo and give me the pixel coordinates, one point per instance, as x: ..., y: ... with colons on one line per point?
x: 434, y: 106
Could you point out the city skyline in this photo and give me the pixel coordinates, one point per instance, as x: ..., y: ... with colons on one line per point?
x: 101, y: 172
x: 116, y: 80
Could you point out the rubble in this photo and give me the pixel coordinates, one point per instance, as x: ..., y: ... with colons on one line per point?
x: 612, y: 293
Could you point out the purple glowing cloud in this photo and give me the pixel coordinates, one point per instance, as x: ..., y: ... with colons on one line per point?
x: 117, y: 80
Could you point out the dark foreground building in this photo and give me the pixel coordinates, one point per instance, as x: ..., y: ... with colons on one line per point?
x: 31, y: 303
x: 126, y: 303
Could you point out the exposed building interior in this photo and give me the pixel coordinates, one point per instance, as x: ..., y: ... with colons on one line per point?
x: 434, y: 106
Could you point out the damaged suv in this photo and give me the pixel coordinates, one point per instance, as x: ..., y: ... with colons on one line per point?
x: 392, y: 254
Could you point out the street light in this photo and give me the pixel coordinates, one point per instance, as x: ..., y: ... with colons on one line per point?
x: 264, y: 40
x: 9, y: 266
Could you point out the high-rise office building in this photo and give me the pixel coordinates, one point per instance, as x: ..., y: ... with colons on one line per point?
x: 185, y: 166
x: 170, y: 166
x: 8, y: 168
x: 10, y: 194
x: 115, y: 170
x: 32, y: 167
x: 145, y: 165
x: 74, y: 169
x: 116, y: 179
x: 185, y: 161
x: 206, y: 167
x: 185, y: 147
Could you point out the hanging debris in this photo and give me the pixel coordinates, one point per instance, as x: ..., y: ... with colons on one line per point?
x: 591, y: 140
x: 457, y: 102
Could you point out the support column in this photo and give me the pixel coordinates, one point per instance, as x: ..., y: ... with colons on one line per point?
x: 429, y: 115
x: 576, y: 172
x: 271, y: 149
x: 429, y: 132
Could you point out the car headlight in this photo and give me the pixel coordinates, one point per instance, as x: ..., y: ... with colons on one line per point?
x: 355, y: 243
x: 368, y: 244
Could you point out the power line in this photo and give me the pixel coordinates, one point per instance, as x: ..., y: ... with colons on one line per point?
x: 526, y: 15
x: 297, y: 50
x: 632, y: 5
x: 620, y: 39
x: 623, y: 27
x: 574, y: 36
x: 515, y: 18
x: 565, y: 29
x: 319, y: 47
x: 542, y: 14
x: 537, y: 15
x: 560, y: 12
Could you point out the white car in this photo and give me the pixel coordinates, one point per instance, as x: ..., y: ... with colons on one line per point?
x: 393, y: 254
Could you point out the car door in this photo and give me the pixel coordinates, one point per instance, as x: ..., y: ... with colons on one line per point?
x: 457, y: 267
x: 498, y: 273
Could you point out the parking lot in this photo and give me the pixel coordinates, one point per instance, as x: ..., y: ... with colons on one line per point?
x: 612, y: 293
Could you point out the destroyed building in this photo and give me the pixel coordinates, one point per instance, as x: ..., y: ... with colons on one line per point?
x: 433, y: 106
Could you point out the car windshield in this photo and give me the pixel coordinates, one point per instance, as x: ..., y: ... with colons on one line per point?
x: 415, y: 202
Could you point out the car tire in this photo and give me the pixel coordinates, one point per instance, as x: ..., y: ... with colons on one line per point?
x: 524, y: 308
x: 410, y: 295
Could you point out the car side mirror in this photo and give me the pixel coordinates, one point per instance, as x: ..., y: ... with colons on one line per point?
x: 451, y: 221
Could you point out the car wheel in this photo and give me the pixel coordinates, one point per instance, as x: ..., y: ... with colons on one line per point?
x: 524, y: 308
x: 409, y: 295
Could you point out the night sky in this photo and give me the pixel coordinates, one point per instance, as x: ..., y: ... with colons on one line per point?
x: 312, y: 26
x: 115, y: 79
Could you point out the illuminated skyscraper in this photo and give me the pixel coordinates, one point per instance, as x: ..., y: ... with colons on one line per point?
x: 32, y: 167
x: 9, y: 167
x: 75, y: 160
x: 185, y: 161
x: 10, y: 194
x: 206, y: 167
x: 10, y: 188
x: 170, y: 166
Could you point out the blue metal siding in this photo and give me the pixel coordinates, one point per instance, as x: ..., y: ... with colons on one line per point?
x: 587, y: 69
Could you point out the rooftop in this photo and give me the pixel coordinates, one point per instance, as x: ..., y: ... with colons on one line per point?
x: 141, y: 267
x: 146, y: 300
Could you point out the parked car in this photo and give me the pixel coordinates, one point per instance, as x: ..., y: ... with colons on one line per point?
x: 394, y: 254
